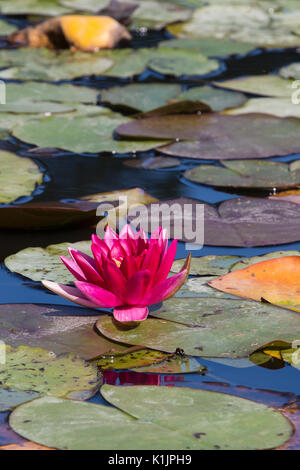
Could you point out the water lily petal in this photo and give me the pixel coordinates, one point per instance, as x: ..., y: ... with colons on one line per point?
x: 152, y: 260
x: 166, y: 262
x: 136, y: 287
x: 101, y: 245
x: 73, y: 268
x: 69, y: 293
x: 98, y: 296
x: 127, y: 232
x: 131, y: 314
x: 109, y: 236
x: 114, y: 278
x: 128, y: 266
x: 87, y: 266
x: 168, y: 287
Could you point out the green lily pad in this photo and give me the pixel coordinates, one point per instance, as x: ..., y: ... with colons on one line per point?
x: 181, y: 62
x: 280, y: 107
x: 129, y: 62
x: 246, y: 136
x: 152, y: 163
x: 140, y: 358
x: 92, y: 134
x: 141, y: 97
x: 246, y: 174
x: 6, y: 28
x: 198, y: 287
x: 157, y: 418
x: 208, y: 327
x: 174, y: 365
x: 11, y: 398
x: 44, y: 263
x: 19, y: 176
x: 93, y: 6
x: 33, y: 7
x: 156, y: 15
x: 45, y: 373
x: 265, y: 85
x: 290, y: 71
x: 60, y: 329
x: 216, y: 99
x: 207, y: 265
x: 210, y: 47
x: 44, y: 64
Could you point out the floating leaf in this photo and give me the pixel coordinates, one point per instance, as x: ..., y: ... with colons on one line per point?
x: 45, y: 373
x: 274, y: 280
x: 208, y: 327
x: 140, y: 358
x: 216, y: 99
x: 245, y: 262
x: 210, y: 47
x: 81, y: 134
x: 153, y: 163
x: 85, y: 5
x: 19, y: 177
x: 174, y: 365
x: 181, y: 62
x: 158, y: 418
x: 24, y: 446
x: 207, y: 265
x: 198, y: 287
x: 265, y: 85
x: 11, y: 398
x: 281, y: 107
x: 60, y: 329
x: 246, y: 174
x: 156, y: 15
x: 6, y: 28
x: 238, y: 137
x: 32, y: 7
x: 290, y: 71
x: 236, y: 222
x: 141, y: 97
x: 44, y: 263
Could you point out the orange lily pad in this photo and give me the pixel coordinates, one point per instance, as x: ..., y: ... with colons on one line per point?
x: 276, y: 281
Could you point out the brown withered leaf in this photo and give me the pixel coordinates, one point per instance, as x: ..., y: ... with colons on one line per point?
x: 78, y: 32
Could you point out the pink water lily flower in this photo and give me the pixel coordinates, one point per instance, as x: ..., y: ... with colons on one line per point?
x: 128, y: 273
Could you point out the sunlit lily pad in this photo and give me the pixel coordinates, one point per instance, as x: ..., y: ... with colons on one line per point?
x: 156, y: 14
x: 210, y: 47
x: 217, y: 99
x: 141, y: 97
x: 246, y: 174
x: 19, y: 176
x: 158, y: 418
x: 265, y: 85
x: 236, y: 222
x: 280, y: 107
x: 45, y: 373
x: 290, y: 71
x: 238, y: 137
x: 208, y: 327
x: 81, y: 134
x: 85, y: 5
x: 274, y: 280
x: 32, y: 7
x: 44, y: 263
x: 140, y: 358
x: 245, y: 262
x: 207, y: 265
x: 60, y: 329
x: 11, y: 398
x: 198, y: 287
x: 6, y: 28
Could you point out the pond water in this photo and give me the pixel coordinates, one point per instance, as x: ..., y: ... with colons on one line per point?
x: 71, y: 176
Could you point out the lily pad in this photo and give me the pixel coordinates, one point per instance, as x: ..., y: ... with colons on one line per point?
x: 139, y: 358
x: 238, y: 137
x: 280, y: 107
x: 207, y: 265
x: 19, y: 177
x: 237, y: 222
x: 11, y: 398
x: 6, y: 28
x: 246, y: 174
x: 85, y: 5
x: 45, y: 373
x: 210, y: 47
x: 245, y: 262
x: 208, y: 327
x: 60, y: 329
x: 141, y: 97
x: 44, y: 263
x: 274, y: 280
x: 216, y: 99
x: 198, y: 287
x: 290, y: 71
x: 32, y: 7
x: 156, y: 15
x: 153, y: 163
x: 158, y: 418
x: 80, y: 135
x: 265, y: 85
x: 181, y: 62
